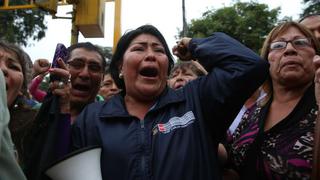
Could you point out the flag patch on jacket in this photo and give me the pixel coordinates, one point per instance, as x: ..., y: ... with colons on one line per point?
x: 174, y: 123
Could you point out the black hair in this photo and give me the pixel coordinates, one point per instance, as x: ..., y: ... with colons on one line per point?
x: 123, y: 45
x: 90, y: 47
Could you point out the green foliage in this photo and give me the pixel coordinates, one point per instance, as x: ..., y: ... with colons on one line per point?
x: 312, y: 7
x: 247, y: 22
x: 18, y: 26
x: 107, y: 52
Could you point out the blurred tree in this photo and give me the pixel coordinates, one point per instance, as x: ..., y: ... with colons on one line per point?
x: 247, y: 22
x: 107, y: 52
x: 312, y: 7
x: 18, y: 26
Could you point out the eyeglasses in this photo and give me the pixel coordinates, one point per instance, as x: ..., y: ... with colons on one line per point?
x: 297, y: 43
x: 93, y: 67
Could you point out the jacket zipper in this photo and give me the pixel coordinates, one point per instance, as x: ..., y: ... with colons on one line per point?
x: 143, y: 159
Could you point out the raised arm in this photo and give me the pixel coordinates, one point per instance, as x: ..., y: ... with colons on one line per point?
x: 235, y: 72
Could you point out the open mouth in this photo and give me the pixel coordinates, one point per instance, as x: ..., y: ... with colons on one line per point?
x: 149, y: 72
x: 81, y: 87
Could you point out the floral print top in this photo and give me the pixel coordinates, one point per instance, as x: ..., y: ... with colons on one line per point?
x: 282, y: 152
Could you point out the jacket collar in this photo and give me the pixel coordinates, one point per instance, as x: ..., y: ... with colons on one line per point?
x: 170, y: 96
x: 115, y: 106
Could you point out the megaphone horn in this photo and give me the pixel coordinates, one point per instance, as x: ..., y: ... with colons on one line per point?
x: 83, y: 164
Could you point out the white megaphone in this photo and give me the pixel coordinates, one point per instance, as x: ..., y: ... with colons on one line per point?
x: 83, y: 164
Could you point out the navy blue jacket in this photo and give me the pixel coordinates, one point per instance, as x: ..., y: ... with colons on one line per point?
x: 178, y: 137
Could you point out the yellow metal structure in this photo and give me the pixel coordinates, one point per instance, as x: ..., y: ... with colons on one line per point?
x: 72, y: 1
x: 117, y: 23
x: 90, y: 18
x: 7, y: 6
x: 48, y: 5
x: 74, y: 28
x: 87, y: 17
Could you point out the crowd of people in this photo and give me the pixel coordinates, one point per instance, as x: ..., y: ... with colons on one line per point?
x: 220, y: 111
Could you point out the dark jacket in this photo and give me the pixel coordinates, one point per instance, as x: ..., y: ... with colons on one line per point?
x: 179, y: 136
x: 47, y: 140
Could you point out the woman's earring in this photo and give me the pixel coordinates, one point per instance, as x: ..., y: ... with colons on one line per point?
x: 120, y: 76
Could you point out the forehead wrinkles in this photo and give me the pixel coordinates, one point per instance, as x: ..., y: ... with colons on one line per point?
x: 11, y: 56
x: 85, y: 54
x: 86, y: 59
x: 146, y: 43
x: 290, y: 32
x: 288, y: 39
x: 145, y: 39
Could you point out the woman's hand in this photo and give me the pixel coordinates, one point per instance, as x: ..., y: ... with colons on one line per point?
x: 181, y: 50
x: 62, y: 88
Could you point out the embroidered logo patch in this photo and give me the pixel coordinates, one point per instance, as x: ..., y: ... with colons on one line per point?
x: 175, y: 122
